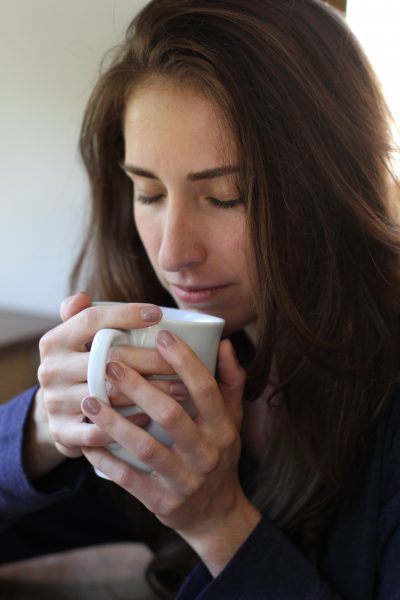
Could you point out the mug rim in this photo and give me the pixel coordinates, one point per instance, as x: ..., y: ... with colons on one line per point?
x: 193, y: 316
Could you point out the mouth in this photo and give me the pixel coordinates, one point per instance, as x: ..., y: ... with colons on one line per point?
x: 197, y: 295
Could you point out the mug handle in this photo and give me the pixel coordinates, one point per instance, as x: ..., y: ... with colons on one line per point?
x: 98, y: 355
x: 96, y: 375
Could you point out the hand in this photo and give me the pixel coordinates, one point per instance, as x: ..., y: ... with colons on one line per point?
x: 62, y: 372
x: 194, y: 485
x: 40, y: 454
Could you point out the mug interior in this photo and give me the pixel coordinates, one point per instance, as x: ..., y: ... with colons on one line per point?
x: 177, y: 314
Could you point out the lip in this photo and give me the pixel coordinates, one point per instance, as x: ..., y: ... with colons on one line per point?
x: 197, y: 294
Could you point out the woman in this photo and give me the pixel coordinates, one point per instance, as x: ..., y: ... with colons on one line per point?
x: 253, y: 141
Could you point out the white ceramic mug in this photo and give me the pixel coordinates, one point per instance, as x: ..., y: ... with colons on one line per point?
x: 200, y: 331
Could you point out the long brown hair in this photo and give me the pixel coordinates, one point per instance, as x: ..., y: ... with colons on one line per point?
x: 314, y: 143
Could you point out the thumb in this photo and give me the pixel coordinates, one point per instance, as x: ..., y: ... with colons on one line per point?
x: 232, y: 379
x: 72, y: 305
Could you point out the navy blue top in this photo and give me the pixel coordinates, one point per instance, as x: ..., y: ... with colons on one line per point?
x: 359, y: 559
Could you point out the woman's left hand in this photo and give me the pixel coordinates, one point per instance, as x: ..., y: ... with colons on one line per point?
x: 194, y: 486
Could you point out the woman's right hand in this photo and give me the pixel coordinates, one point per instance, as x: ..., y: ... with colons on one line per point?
x: 57, y: 428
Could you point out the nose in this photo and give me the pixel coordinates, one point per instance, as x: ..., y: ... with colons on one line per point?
x: 182, y: 243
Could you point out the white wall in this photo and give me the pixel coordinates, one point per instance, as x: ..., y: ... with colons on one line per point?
x: 50, y: 51
x: 376, y: 23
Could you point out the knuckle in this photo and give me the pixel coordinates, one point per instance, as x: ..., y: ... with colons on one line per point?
x: 189, y: 486
x: 91, y: 318
x: 127, y: 314
x: 132, y: 382
x: 228, y: 437
x: 135, y: 379
x: 124, y: 476
x: 210, y: 460
x: 99, y: 462
x: 55, y: 434
x: 58, y: 437
x: 45, y: 373
x: 157, y: 363
x: 46, y: 343
x: 207, y: 387
x: 146, y: 450
x: 42, y: 375
x: 68, y: 452
x: 114, y: 354
x: 169, y: 415
x: 166, y: 507
x: 182, y: 357
x: 51, y: 403
x: 107, y: 423
x: 91, y: 437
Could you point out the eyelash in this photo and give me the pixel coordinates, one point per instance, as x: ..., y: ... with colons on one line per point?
x: 148, y: 199
x: 225, y: 204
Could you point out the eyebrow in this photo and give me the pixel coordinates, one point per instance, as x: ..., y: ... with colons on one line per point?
x: 199, y: 176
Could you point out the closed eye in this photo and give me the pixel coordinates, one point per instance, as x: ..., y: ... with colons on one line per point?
x: 148, y: 199
x: 226, y: 203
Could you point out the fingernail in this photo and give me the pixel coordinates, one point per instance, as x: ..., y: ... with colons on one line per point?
x: 178, y: 389
x: 165, y: 338
x: 150, y: 314
x: 139, y: 419
x: 91, y: 405
x: 114, y: 371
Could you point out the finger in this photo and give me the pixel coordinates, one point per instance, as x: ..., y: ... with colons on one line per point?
x: 68, y: 452
x: 176, y: 389
x: 82, y: 327
x: 203, y: 388
x: 171, y: 415
x: 147, y: 361
x: 64, y: 402
x: 116, y: 397
x: 73, y: 370
x: 73, y: 304
x: 141, y: 485
x: 135, y: 440
x: 67, y: 425
x: 72, y: 435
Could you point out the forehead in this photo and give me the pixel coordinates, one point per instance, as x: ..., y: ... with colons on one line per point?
x: 161, y: 114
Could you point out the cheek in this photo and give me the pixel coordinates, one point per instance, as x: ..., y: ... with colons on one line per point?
x: 148, y: 234
x: 239, y: 242
x: 244, y: 245
x: 244, y: 255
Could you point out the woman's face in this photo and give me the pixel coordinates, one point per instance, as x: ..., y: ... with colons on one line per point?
x: 183, y: 164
